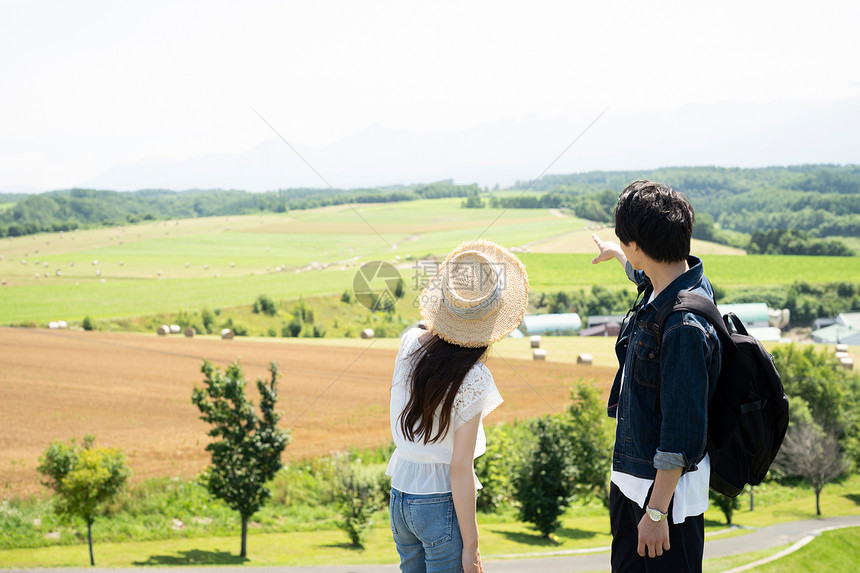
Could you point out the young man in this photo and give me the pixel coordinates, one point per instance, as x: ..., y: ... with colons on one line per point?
x: 660, y: 470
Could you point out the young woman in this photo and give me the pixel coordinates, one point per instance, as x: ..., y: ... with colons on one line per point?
x: 439, y: 394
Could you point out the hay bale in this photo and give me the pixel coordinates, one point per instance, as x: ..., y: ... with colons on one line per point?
x: 226, y: 334
x: 190, y: 332
x: 847, y: 363
x: 163, y: 330
x: 841, y: 348
x: 538, y: 354
x: 3, y: 282
x: 367, y: 333
x: 95, y: 262
x: 842, y: 355
x: 585, y: 359
x: 62, y: 324
x: 59, y: 273
x: 535, y: 341
x: 175, y: 329
x: 53, y: 325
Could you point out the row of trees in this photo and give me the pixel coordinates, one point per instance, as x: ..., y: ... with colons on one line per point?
x: 81, y: 208
x: 783, y: 242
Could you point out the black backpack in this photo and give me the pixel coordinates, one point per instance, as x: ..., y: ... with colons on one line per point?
x: 748, y: 414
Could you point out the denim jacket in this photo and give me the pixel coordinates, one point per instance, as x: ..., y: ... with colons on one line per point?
x: 688, y: 365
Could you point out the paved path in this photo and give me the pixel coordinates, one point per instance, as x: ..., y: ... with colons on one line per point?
x: 764, y: 538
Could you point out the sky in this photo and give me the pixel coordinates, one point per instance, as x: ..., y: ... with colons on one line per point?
x: 88, y: 85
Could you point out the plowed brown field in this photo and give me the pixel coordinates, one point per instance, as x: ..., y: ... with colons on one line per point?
x: 134, y: 392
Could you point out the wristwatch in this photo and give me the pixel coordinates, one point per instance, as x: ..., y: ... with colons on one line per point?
x: 655, y: 514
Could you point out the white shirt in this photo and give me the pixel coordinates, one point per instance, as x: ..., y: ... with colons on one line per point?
x: 691, y: 493
x: 420, y: 468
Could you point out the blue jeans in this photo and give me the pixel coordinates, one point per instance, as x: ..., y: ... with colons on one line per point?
x: 426, y: 532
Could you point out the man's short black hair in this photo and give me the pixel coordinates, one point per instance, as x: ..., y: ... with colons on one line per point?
x: 658, y: 218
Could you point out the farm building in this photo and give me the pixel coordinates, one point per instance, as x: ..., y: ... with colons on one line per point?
x: 753, y: 315
x: 760, y: 322
x: 551, y: 323
x: 598, y: 319
x: 846, y: 330
x: 602, y: 329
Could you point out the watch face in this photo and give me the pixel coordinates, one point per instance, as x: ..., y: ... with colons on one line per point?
x: 656, y: 515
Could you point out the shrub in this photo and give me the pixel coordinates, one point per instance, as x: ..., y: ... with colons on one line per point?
x: 358, y: 497
x: 208, y: 318
x: 505, y: 457
x: 292, y: 329
x: 728, y: 505
x: 265, y: 305
x: 544, y: 486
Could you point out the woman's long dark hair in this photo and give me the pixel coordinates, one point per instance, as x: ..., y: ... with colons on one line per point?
x: 435, y: 380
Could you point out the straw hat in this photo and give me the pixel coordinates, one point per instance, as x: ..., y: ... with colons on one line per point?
x: 477, y: 297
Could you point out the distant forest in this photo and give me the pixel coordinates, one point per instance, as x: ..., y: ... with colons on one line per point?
x: 788, y: 210
x: 86, y: 208
x: 822, y: 200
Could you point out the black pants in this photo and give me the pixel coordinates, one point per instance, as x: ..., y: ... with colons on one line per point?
x: 687, y: 540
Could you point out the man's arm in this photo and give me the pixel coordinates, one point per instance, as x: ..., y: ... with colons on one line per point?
x: 654, y: 535
x: 608, y: 250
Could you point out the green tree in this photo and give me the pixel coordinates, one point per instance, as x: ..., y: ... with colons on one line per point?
x: 728, y: 505
x: 544, y: 486
x: 358, y: 497
x: 247, y: 449
x: 473, y: 202
x: 293, y: 329
x: 84, y: 478
x: 831, y: 393
x: 265, y: 305
x: 496, y: 468
x: 208, y: 318
x: 589, y: 432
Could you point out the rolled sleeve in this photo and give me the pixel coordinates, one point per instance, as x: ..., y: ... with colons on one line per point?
x: 670, y: 461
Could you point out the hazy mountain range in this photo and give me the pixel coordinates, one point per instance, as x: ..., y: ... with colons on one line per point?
x: 501, y: 152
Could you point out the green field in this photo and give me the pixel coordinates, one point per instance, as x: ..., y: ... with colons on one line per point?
x: 227, y: 261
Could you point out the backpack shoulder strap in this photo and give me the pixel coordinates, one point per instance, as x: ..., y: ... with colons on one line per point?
x: 704, y: 307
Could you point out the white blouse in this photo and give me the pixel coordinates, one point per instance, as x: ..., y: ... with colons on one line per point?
x: 420, y: 468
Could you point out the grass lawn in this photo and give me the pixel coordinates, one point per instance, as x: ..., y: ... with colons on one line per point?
x: 836, y: 551
x: 501, y: 534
